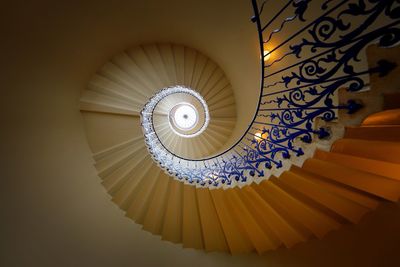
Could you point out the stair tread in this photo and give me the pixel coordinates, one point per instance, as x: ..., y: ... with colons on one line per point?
x: 296, y: 230
x: 213, y: 235
x: 123, y: 196
x: 315, y: 221
x: 378, y: 150
x: 353, y: 194
x: 236, y: 237
x: 172, y: 224
x: 368, y: 182
x: 386, y: 117
x: 108, y: 164
x: 387, y: 169
x: 153, y: 220
x: 259, y: 238
x: 192, y: 235
x: 278, y: 230
x: 114, y: 180
x: 141, y: 201
x: 381, y: 132
x: 169, y: 62
x: 342, y: 206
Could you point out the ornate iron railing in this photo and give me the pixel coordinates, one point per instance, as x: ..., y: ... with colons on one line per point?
x: 323, y: 52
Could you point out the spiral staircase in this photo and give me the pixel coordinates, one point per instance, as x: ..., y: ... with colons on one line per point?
x: 291, y: 176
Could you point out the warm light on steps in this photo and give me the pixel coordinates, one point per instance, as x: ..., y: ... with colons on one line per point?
x: 386, y: 117
x: 255, y: 217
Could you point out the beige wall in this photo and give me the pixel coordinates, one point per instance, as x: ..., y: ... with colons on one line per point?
x: 54, y: 211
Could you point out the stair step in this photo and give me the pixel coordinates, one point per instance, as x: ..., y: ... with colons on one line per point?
x: 213, y: 141
x: 169, y: 62
x: 362, y: 198
x: 259, y: 238
x: 224, y: 111
x: 140, y: 203
x: 107, y: 131
x: 172, y: 225
x: 374, y: 184
x: 227, y: 102
x: 106, y: 107
x: 222, y: 93
x: 207, y: 73
x: 342, y: 206
x: 386, y: 117
x: 213, y: 235
x: 219, y: 86
x: 236, y: 236
x: 315, y: 221
x: 277, y: 229
x: 296, y: 229
x: 309, y: 201
x: 191, y: 225
x: 201, y: 62
x: 179, y: 56
x: 153, y: 220
x: 153, y: 54
x: 190, y: 64
x: 114, y: 161
x: 111, y: 150
x: 383, y: 168
x: 377, y: 150
x: 114, y: 88
x: 216, y: 76
x: 115, y: 180
x: 389, y: 133
x: 125, y: 194
x: 139, y: 56
x: 137, y: 77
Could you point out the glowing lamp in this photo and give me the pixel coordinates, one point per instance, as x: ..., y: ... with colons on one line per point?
x: 267, y: 55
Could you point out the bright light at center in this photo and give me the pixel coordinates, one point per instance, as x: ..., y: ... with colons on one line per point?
x: 185, y: 117
x: 267, y: 55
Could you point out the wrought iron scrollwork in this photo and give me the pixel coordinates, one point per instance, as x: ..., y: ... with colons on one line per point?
x: 329, y: 59
x: 327, y: 51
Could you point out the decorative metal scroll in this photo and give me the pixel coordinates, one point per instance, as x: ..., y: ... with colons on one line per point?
x: 325, y: 54
x: 328, y: 58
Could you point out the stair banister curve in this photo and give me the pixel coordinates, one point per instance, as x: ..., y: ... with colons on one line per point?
x: 293, y: 96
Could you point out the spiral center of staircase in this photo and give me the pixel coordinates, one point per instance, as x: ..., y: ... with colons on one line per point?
x: 184, y: 116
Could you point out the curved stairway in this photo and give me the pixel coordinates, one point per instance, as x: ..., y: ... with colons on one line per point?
x: 123, y: 86
x: 330, y: 189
